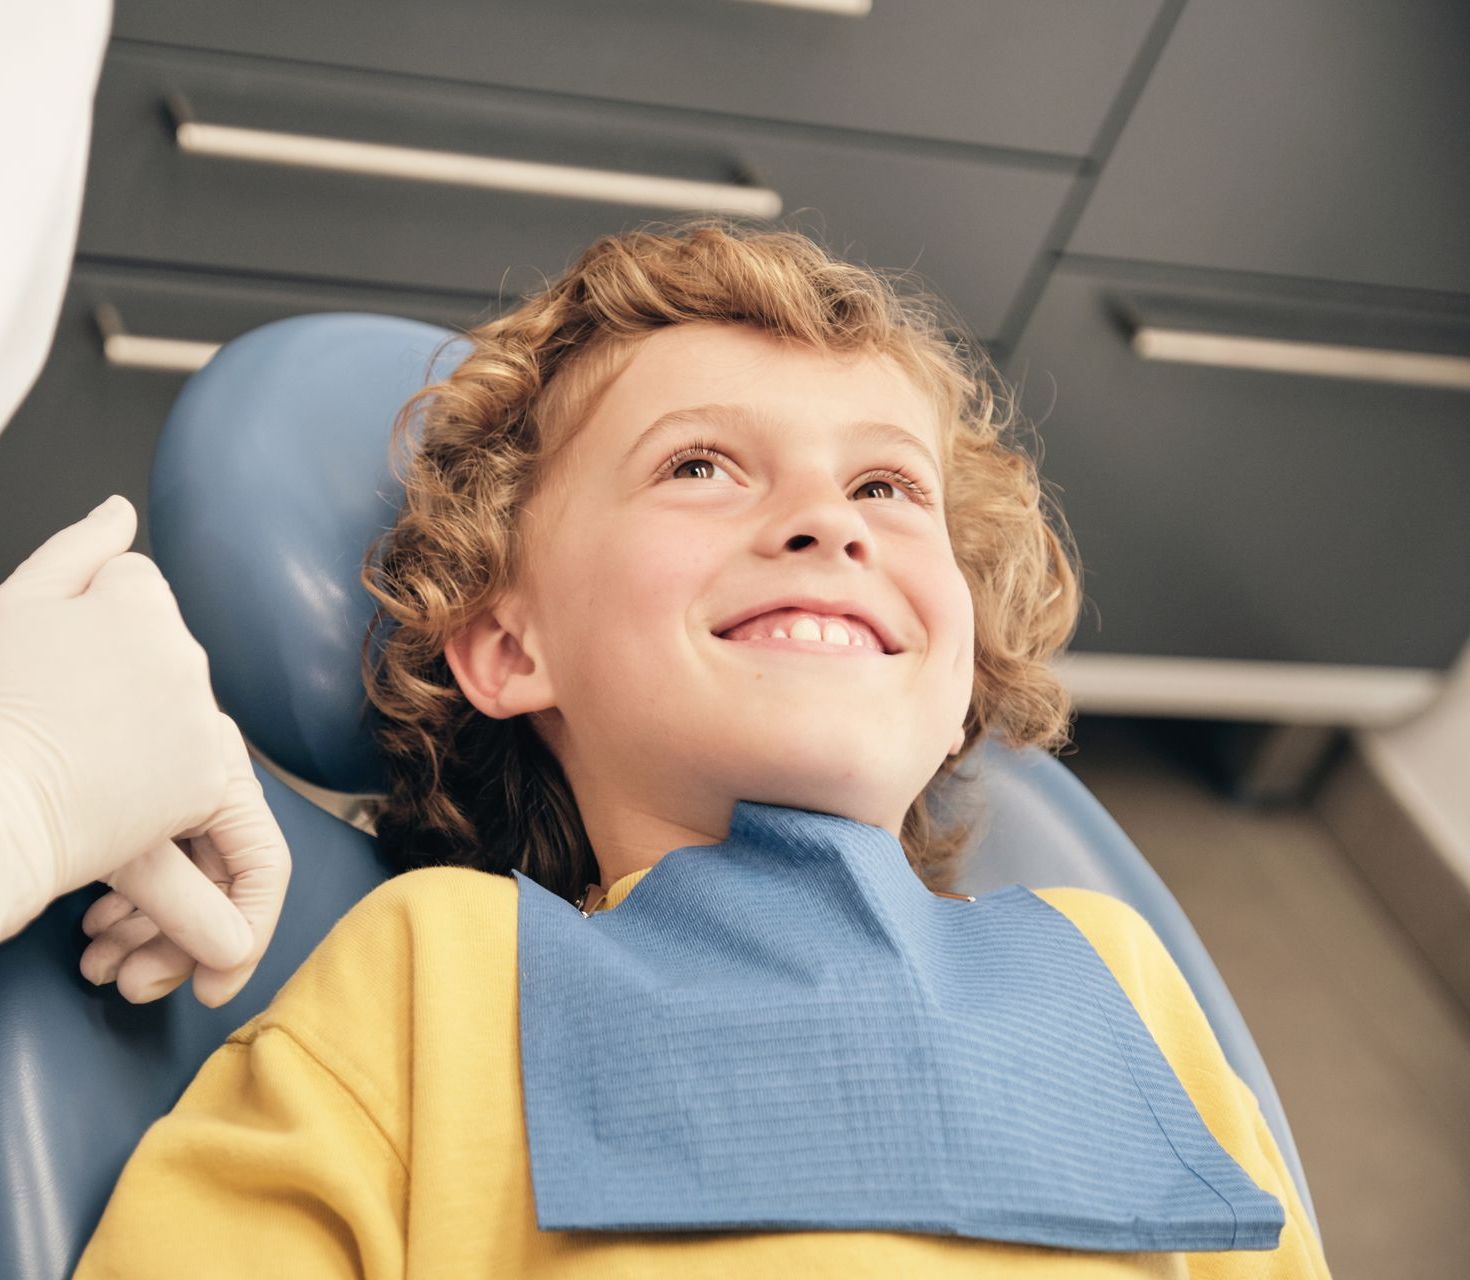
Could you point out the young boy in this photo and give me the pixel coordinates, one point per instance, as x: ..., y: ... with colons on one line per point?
x: 711, y: 561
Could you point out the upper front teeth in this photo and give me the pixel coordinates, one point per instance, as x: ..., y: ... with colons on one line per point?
x: 796, y: 624
x: 808, y: 628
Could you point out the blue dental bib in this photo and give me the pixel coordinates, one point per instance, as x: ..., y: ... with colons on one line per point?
x: 788, y: 1031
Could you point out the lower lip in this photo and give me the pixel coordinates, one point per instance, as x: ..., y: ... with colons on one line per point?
x: 771, y: 645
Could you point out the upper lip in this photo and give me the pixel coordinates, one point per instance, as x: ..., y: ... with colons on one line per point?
x: 811, y: 604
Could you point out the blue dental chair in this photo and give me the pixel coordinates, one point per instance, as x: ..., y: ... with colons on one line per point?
x: 270, y: 480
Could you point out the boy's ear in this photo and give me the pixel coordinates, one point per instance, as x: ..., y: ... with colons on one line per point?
x: 494, y: 671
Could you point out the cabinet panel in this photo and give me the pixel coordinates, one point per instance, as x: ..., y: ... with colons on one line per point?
x: 1325, y: 138
x: 1239, y: 514
x: 971, y: 228
x: 1033, y: 74
x: 89, y: 427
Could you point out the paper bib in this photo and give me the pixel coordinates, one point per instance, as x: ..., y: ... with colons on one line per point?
x: 788, y: 1031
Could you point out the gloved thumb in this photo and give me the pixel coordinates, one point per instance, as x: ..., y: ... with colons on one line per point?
x: 186, y: 905
x: 64, y: 565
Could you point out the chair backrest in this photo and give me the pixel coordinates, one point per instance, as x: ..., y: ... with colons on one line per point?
x: 270, y: 480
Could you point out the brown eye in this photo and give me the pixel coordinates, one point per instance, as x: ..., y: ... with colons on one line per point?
x: 691, y: 462
x: 896, y: 480
x: 868, y: 484
x: 700, y: 452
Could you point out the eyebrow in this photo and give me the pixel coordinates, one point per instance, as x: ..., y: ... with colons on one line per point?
x: 740, y: 415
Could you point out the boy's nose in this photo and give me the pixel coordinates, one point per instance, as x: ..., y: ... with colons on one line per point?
x: 823, y: 517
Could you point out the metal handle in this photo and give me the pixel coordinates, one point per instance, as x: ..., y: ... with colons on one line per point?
x: 1302, y: 693
x: 1318, y: 359
x: 843, y: 8
x: 132, y: 351
x: 457, y: 168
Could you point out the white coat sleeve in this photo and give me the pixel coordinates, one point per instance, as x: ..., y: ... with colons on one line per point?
x: 50, y: 60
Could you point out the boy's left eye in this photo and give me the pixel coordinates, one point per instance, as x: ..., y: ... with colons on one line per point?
x: 894, y: 477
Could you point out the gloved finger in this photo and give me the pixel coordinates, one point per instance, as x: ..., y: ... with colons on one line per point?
x: 253, y: 856
x: 106, y: 912
x: 215, y: 987
x: 153, y: 970
x: 186, y: 905
x: 65, y: 564
x: 106, y: 952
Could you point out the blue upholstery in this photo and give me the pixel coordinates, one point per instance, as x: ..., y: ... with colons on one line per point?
x: 270, y: 479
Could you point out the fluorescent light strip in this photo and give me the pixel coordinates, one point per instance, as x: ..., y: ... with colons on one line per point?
x: 1227, y: 689
x: 1318, y: 359
x: 456, y: 168
x: 843, y: 8
x: 166, y: 355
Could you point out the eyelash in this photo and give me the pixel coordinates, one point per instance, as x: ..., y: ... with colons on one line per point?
x: 701, y: 448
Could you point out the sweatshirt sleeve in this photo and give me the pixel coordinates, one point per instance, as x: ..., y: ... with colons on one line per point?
x: 286, y: 1155
x: 267, y: 1165
x: 1161, y: 994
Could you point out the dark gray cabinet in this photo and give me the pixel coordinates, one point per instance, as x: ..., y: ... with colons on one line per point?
x: 970, y: 225
x: 1232, y: 513
x: 1325, y: 139
x: 1036, y: 75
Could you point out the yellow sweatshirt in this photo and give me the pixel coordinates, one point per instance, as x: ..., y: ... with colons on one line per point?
x: 370, y: 1122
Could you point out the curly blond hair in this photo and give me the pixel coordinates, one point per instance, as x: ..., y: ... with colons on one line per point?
x: 472, y: 450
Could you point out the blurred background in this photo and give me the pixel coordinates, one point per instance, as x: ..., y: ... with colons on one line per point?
x: 1220, y: 248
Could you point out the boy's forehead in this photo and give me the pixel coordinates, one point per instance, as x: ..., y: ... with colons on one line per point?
x: 765, y: 380
x: 703, y: 352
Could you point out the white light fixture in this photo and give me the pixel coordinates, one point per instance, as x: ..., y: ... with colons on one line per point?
x: 416, y: 164
x: 125, y: 350
x: 1319, y: 359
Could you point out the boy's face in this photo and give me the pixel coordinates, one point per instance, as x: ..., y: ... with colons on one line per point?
x: 637, y: 563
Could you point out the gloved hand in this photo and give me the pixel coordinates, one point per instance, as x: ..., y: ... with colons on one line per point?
x: 111, y: 745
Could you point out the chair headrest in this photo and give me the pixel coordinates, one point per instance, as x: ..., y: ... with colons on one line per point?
x: 270, y: 480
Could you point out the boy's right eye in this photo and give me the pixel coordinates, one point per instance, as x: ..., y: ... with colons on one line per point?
x: 701, y: 451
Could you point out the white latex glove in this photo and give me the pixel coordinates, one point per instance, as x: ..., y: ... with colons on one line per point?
x: 111, y: 745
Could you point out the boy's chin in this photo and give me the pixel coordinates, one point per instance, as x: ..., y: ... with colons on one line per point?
x: 825, y: 787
